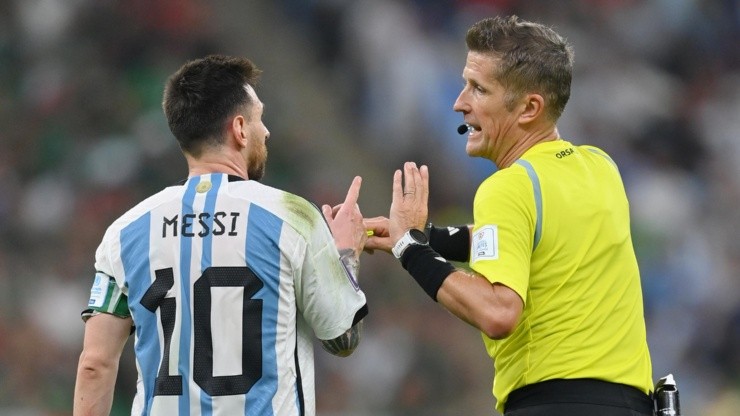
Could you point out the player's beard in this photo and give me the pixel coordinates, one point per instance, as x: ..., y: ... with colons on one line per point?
x: 257, y: 162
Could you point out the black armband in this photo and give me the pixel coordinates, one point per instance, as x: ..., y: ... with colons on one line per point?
x: 452, y: 243
x: 427, y: 267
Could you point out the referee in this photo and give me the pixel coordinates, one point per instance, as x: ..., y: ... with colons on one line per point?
x: 555, y: 287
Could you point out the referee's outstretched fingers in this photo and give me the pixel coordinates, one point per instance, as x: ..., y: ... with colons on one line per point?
x: 410, y: 196
x: 424, y: 191
x: 380, y: 240
x: 411, y: 180
x: 397, y: 185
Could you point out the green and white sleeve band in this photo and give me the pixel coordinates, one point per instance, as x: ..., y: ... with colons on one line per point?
x: 106, y: 297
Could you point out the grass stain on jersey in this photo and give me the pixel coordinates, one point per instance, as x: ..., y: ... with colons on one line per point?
x: 302, y: 213
x: 304, y: 216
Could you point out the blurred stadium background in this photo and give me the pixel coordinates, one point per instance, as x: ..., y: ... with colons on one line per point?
x: 357, y: 87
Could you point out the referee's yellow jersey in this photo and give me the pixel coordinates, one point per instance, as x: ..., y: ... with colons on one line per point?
x: 554, y: 227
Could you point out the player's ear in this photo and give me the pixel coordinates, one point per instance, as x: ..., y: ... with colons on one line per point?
x: 238, y: 131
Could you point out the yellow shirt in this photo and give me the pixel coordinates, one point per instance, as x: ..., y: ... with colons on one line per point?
x: 554, y: 227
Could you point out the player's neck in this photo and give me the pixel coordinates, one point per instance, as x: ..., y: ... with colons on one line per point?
x: 206, y: 165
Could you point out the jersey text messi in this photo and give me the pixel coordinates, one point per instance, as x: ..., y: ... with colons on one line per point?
x: 201, y: 224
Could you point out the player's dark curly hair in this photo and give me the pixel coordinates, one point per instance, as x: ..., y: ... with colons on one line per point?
x: 533, y: 58
x: 202, y: 95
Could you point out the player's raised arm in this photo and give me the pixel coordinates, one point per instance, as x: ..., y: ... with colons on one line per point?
x: 345, y: 222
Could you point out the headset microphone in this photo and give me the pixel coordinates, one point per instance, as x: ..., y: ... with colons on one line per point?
x: 462, y: 129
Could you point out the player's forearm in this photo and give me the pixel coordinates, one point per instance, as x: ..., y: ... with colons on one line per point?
x: 346, y: 343
x: 94, y: 389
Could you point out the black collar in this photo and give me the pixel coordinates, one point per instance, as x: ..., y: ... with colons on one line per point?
x: 232, y: 178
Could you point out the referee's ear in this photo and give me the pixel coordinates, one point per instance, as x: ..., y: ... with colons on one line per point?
x: 534, y: 108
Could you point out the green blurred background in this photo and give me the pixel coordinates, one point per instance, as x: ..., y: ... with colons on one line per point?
x: 358, y: 87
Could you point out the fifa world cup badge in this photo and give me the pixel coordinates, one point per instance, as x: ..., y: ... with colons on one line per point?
x: 485, y: 243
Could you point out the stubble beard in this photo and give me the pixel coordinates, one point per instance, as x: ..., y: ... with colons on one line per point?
x: 256, y: 168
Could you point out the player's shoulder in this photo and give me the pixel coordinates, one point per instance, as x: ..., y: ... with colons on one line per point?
x: 275, y: 199
x: 143, y: 208
x: 295, y: 210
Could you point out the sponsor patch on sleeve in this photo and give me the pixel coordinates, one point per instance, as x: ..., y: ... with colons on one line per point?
x: 99, y: 290
x: 485, y: 244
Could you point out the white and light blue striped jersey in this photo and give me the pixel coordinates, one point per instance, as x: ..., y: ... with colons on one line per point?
x: 227, y: 282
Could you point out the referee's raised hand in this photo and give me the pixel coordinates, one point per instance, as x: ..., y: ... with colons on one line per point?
x: 409, y: 207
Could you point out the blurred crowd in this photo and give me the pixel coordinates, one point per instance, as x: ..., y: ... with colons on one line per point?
x: 357, y: 87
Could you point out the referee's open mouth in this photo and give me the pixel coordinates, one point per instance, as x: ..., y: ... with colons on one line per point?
x: 472, y: 128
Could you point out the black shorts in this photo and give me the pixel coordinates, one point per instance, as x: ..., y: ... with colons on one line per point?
x: 578, y: 397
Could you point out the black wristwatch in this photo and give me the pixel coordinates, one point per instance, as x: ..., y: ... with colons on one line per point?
x: 412, y: 236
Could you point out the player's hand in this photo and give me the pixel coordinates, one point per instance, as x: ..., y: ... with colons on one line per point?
x: 345, y: 220
x: 410, y: 198
x: 380, y: 238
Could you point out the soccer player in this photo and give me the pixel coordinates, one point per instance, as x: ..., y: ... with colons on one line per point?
x: 555, y: 287
x: 223, y: 280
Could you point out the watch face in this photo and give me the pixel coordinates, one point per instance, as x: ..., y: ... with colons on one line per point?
x: 418, y: 236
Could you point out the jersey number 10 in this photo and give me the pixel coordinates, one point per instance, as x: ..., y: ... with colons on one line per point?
x: 154, y: 298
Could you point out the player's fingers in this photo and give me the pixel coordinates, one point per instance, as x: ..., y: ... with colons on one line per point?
x: 327, y: 211
x: 353, y: 194
x: 336, y: 209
